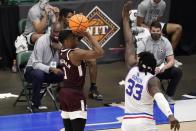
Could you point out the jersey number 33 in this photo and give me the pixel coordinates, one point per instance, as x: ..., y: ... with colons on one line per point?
x: 134, y: 89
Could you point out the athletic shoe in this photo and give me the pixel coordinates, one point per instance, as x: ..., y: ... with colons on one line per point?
x: 41, y: 107
x: 191, y: 95
x: 94, y: 94
x: 35, y: 109
x: 177, y: 63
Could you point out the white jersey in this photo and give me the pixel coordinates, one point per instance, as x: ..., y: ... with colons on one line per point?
x: 137, y: 98
x: 138, y: 102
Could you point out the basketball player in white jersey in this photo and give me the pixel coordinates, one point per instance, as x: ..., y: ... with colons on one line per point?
x: 141, y: 87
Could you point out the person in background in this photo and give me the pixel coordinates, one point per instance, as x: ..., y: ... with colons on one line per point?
x: 39, y: 19
x: 153, y: 10
x: 161, y: 48
x: 142, y: 87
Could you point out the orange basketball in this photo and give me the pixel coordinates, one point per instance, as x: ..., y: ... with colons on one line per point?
x: 78, y: 23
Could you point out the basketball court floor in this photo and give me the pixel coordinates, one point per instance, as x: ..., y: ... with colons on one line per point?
x: 100, y: 117
x: 185, y: 126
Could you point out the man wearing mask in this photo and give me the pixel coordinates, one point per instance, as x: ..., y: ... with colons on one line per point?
x: 153, y: 10
x: 43, y: 64
x: 162, y: 49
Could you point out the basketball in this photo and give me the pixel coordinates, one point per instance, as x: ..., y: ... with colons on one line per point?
x: 78, y: 23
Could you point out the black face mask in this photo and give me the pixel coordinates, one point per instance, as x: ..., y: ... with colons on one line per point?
x: 155, y: 36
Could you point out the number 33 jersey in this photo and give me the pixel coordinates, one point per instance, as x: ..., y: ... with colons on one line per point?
x: 137, y: 97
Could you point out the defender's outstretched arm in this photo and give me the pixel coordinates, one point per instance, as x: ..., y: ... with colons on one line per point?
x: 130, y: 56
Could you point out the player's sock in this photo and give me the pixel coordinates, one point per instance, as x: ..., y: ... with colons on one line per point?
x: 78, y: 124
x: 93, y: 87
x: 67, y: 125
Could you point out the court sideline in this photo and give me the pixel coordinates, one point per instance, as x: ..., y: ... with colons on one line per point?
x: 185, y: 126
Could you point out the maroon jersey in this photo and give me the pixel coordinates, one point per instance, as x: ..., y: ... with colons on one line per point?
x: 74, y: 75
x: 71, y: 95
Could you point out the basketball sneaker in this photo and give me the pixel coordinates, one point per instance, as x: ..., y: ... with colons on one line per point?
x: 177, y: 63
x: 94, y: 94
x: 41, y: 107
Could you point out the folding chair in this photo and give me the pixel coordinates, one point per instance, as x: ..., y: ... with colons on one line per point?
x: 21, y: 25
x: 26, y: 92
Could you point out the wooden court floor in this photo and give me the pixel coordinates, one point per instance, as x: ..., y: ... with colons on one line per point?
x: 184, y: 126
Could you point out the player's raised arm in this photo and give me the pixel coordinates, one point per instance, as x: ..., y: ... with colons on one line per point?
x: 96, y: 52
x: 130, y: 57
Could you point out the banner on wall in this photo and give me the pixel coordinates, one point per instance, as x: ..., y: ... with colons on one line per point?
x: 101, y: 26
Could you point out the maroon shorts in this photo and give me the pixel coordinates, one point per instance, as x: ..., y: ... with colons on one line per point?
x: 72, y: 100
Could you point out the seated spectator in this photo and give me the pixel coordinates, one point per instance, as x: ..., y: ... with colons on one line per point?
x: 40, y: 17
x: 43, y: 64
x: 153, y: 10
x: 64, y: 16
x: 162, y: 49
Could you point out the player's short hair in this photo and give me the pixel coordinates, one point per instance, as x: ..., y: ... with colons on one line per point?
x: 65, y: 11
x: 147, y: 62
x: 155, y: 24
x: 64, y: 34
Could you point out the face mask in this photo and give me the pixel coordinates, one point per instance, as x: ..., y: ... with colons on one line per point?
x: 155, y: 36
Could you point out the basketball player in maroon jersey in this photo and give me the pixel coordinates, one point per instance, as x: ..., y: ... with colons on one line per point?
x: 64, y: 16
x: 71, y: 96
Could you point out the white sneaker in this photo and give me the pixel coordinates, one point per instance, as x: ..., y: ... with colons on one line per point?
x: 177, y: 63
x: 189, y: 96
x: 169, y: 99
x: 42, y: 107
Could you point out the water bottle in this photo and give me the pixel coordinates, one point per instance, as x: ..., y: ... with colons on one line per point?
x: 14, y: 67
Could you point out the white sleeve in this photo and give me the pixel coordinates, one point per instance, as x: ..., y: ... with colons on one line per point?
x: 163, y: 104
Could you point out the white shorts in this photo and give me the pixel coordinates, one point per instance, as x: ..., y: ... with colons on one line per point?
x: 138, y: 123
x: 74, y: 115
